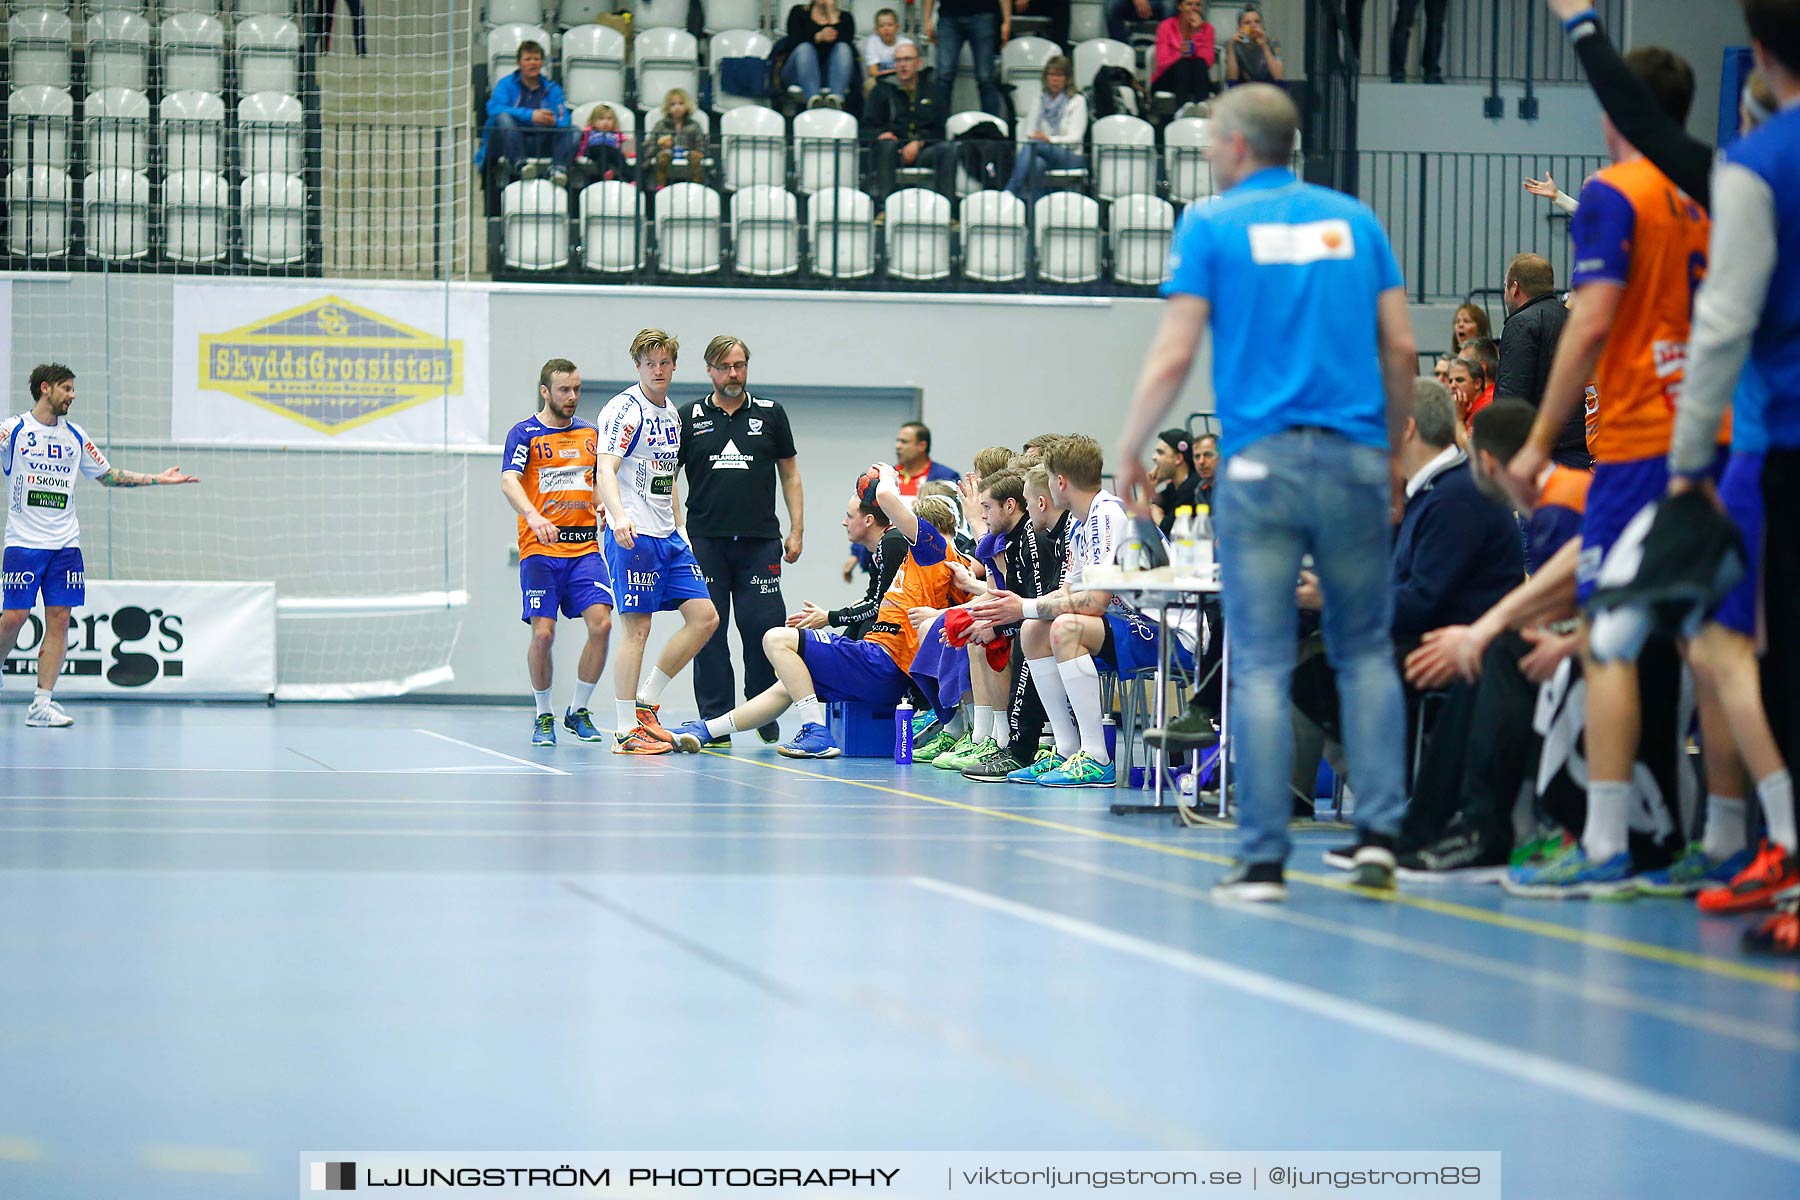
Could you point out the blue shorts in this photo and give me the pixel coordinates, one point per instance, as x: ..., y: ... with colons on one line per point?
x: 1740, y: 490
x: 570, y: 585
x: 1618, y: 493
x: 59, y: 573
x: 845, y: 669
x: 1131, y: 646
x: 657, y: 574
x: 941, y: 670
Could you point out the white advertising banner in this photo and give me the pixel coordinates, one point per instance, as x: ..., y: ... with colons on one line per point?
x: 280, y: 365
x: 140, y: 637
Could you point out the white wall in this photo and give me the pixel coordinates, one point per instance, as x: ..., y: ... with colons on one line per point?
x: 1448, y: 117
x: 1699, y: 33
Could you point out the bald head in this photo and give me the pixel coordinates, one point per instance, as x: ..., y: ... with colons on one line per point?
x: 1257, y: 122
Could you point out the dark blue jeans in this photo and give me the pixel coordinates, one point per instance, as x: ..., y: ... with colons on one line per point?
x: 1121, y: 13
x: 982, y: 33
x: 515, y: 141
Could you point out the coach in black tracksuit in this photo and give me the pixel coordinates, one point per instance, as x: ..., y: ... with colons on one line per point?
x: 733, y: 448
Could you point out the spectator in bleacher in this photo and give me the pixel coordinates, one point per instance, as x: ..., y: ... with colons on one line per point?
x: 1206, y: 465
x: 604, y: 150
x: 1441, y: 369
x: 821, y: 55
x: 1050, y: 132
x: 1055, y: 11
x: 1186, y: 47
x: 1464, y: 385
x: 677, y: 144
x: 1535, y: 317
x: 984, y: 26
x: 1121, y: 15
x: 1470, y: 321
x: 527, y: 119
x: 879, y: 47
x: 1482, y: 354
x: 1252, y: 56
x: 1172, y: 467
x: 1431, y: 54
x: 903, y: 122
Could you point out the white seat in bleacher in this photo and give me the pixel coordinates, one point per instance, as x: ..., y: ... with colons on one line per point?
x: 593, y: 65
x: 765, y: 231
x: 37, y: 212
x: 273, y: 216
x: 993, y: 237
x: 1185, y: 142
x: 753, y: 147
x: 40, y: 119
x: 825, y: 147
x: 503, y: 49
x: 192, y: 133
x: 687, y: 229
x: 571, y: 13
x: 118, y: 51
x: 1099, y: 52
x: 196, y: 216
x: 658, y: 14
x: 721, y: 15
x: 612, y: 227
x: 918, y: 234
x: 513, y: 12
x: 37, y: 43
x: 116, y: 205
x: 534, y: 216
x: 1124, y: 157
x: 116, y: 130
x: 960, y: 123
x: 268, y: 56
x: 1066, y: 231
x: 1022, y: 65
x: 666, y: 58
x: 269, y: 134
x: 1141, y: 227
x: 131, y: 6
x: 627, y: 121
x: 210, y: 8
x: 191, y: 46
x: 840, y: 227
x: 263, y: 8
x: 735, y: 43
x: 1087, y: 20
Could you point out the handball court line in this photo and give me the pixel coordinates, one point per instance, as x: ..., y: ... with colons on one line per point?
x: 523, y: 762
x: 1581, y: 1083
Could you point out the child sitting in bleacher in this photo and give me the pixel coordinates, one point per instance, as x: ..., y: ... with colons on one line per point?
x: 677, y: 140
x: 879, y: 47
x: 604, y: 150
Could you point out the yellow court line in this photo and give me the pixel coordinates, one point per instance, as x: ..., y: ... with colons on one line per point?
x: 1668, y: 956
x: 202, y: 1160
x: 20, y: 1150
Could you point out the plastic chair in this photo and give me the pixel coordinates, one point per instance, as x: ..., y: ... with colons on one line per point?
x: 993, y: 236
x: 503, y: 48
x: 659, y: 14
x: 960, y: 123
x: 1099, y: 52
x: 193, y: 127
x: 570, y: 13
x: 37, y: 211
x: 37, y: 43
x: 264, y: 8
x: 1067, y: 235
x: 192, y: 47
x: 116, y: 128
x: 735, y: 43
x: 721, y: 15
x: 116, y: 207
x: 196, y: 216
x: 534, y: 217
x: 40, y: 120
x: 1022, y: 66
x: 666, y: 59
x: 840, y: 227
x: 513, y: 12
x: 1087, y: 21
x: 268, y: 55
x: 825, y: 150
x: 210, y: 8
x: 687, y: 229
x: 918, y: 234
x: 765, y: 231
x: 593, y: 65
x: 274, y: 218
x: 1124, y: 157
x: 753, y: 147
x: 269, y: 131
x: 118, y: 51
x: 1185, y: 143
x: 612, y: 228
x: 1141, y: 228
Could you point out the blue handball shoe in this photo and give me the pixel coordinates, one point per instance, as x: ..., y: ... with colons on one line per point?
x: 813, y: 741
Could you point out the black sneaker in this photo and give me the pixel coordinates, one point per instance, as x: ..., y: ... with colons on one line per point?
x: 1372, y: 866
x: 995, y: 767
x: 1258, y: 883
x: 1464, y: 854
x: 770, y: 733
x: 1192, y: 730
x: 1341, y: 859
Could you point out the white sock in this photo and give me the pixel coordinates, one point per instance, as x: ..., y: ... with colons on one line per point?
x: 1608, y: 820
x: 983, y: 728
x: 625, y: 715
x: 584, y: 694
x: 1776, y: 792
x: 1081, y: 679
x: 810, y: 711
x: 42, y: 696
x: 651, y: 690
x: 720, y: 727
x: 1725, y: 833
x: 543, y: 701
x: 1048, y: 681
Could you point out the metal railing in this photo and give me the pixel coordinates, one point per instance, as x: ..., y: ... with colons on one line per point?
x: 1508, y: 40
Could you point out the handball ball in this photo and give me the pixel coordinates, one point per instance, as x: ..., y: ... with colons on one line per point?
x: 866, y: 485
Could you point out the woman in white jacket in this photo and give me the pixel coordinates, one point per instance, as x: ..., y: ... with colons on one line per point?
x: 1050, y: 132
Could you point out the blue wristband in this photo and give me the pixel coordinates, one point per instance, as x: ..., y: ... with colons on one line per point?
x: 1590, y: 17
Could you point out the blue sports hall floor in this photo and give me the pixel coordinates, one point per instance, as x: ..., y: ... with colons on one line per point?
x: 229, y: 934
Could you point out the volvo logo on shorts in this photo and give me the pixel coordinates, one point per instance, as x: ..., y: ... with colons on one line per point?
x: 130, y: 646
x: 331, y: 365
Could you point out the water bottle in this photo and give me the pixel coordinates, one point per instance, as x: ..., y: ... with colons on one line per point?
x: 903, y: 733
x: 1202, y: 563
x: 1181, y: 542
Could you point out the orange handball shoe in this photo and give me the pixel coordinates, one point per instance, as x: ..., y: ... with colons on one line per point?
x: 1777, y: 935
x: 639, y: 741
x: 651, y: 726
x: 1772, y: 875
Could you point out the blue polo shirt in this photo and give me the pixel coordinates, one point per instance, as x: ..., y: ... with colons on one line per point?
x: 1292, y: 272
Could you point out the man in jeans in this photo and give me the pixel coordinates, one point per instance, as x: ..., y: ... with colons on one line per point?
x: 527, y: 118
x: 1308, y: 438
x: 985, y: 25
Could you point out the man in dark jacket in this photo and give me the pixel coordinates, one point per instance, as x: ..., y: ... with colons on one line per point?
x: 1534, y: 324
x: 903, y: 124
